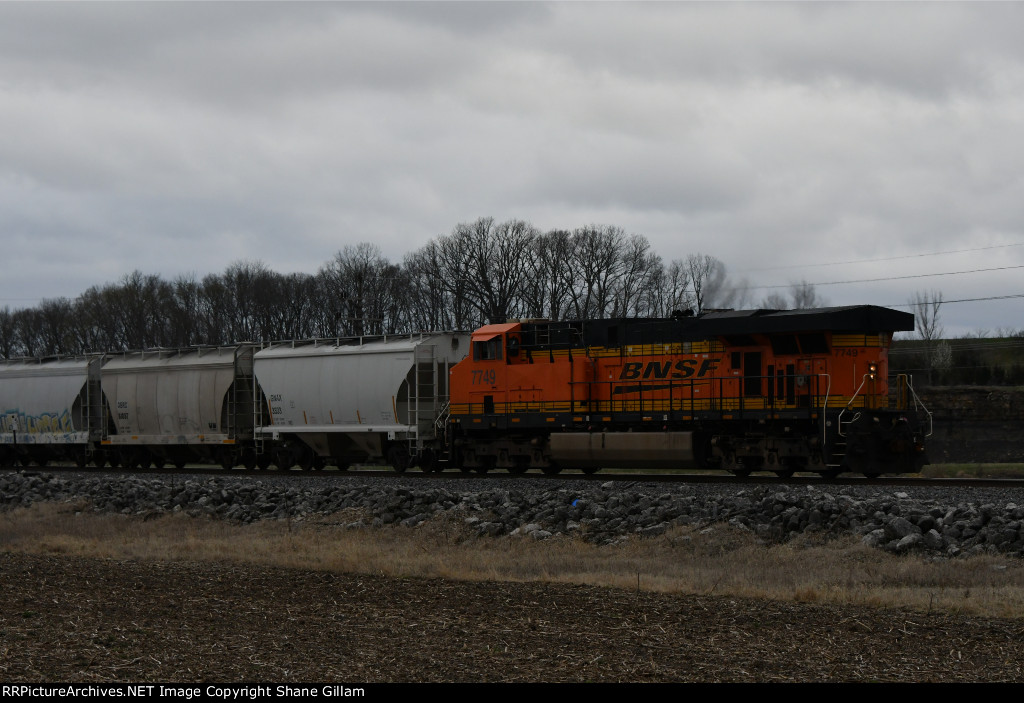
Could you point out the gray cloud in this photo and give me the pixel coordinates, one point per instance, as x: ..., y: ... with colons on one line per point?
x: 178, y: 137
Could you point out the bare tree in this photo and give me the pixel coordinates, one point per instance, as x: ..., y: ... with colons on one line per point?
x: 805, y: 296
x: 432, y: 306
x: 300, y: 299
x: 28, y: 329
x: 8, y: 333
x: 594, y: 268
x: 925, y: 307
x: 775, y: 301
x: 57, y: 327
x: 674, y: 292
x: 183, y: 312
x: 215, y: 308
x: 706, y: 275
x: 361, y: 286
x: 634, y: 290
x: 802, y: 296
x: 486, y: 265
x: 546, y: 287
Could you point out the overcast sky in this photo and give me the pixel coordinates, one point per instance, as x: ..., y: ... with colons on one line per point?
x: 784, y: 139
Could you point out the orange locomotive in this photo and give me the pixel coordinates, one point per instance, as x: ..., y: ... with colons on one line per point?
x: 785, y: 391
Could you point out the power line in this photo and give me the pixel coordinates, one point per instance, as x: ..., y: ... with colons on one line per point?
x: 892, y: 278
x: 886, y: 258
x: 961, y: 300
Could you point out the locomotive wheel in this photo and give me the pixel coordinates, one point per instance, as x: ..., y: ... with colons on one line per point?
x: 264, y: 460
x: 486, y: 464
x: 81, y: 460
x: 784, y: 473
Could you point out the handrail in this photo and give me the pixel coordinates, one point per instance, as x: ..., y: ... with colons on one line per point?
x: 849, y: 405
x: 918, y: 402
x: 824, y: 408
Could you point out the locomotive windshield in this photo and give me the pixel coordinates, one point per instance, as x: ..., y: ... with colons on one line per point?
x: 487, y: 349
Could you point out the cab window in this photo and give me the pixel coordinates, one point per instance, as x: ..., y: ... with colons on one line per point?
x: 487, y: 350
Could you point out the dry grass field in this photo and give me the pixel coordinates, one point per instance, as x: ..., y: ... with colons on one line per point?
x: 109, y: 597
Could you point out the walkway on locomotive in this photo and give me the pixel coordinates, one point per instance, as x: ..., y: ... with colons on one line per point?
x: 758, y: 364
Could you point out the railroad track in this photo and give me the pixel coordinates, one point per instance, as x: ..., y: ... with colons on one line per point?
x: 619, y: 476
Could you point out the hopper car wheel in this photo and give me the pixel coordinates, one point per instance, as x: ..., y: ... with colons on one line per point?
x: 249, y: 459
x: 784, y: 473
x: 81, y: 460
x: 520, y: 465
x: 398, y: 457
x: 741, y: 473
x: 180, y: 464
x: 310, y: 461
x: 552, y: 469
x: 428, y: 461
x: 591, y: 470
x: 283, y: 459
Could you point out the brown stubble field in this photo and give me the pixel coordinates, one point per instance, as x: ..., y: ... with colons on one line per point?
x: 92, y: 597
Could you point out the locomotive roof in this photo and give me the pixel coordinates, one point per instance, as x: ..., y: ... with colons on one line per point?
x: 851, y: 318
x: 847, y: 318
x: 866, y: 319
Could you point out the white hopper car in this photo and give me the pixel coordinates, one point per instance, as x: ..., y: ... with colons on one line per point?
x: 310, y: 403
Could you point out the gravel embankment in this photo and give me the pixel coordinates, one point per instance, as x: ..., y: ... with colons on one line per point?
x: 938, y: 521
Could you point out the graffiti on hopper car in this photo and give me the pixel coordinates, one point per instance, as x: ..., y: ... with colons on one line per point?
x: 44, y: 423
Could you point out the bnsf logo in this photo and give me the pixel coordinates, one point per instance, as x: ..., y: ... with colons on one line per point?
x: 685, y: 368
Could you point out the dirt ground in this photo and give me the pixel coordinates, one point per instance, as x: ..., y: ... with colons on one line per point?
x: 84, y: 620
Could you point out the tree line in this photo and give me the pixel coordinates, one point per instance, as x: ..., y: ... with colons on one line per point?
x: 481, y: 272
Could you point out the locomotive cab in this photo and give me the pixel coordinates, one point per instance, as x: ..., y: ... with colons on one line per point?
x: 490, y: 355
